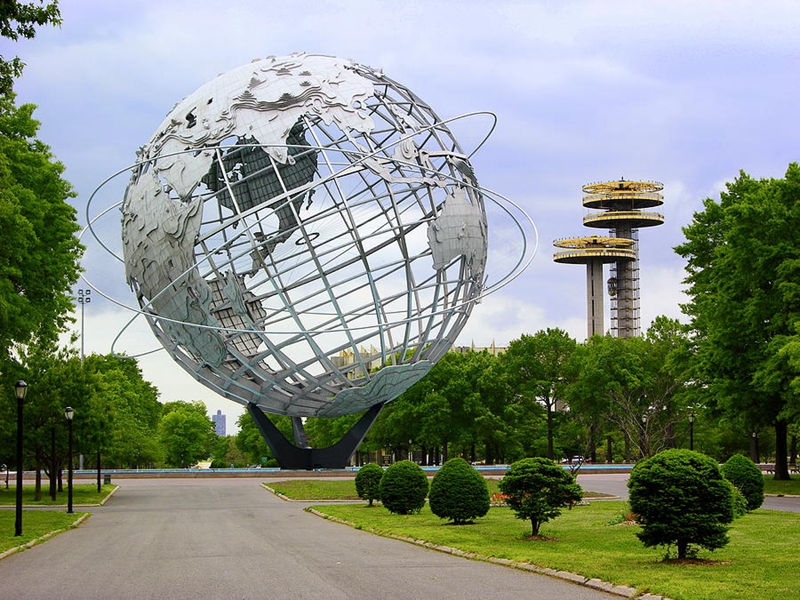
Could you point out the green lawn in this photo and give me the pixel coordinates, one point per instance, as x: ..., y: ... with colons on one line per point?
x: 316, y: 489
x: 760, y: 561
x: 782, y: 487
x: 344, y: 489
x: 35, y: 523
x: 82, y: 493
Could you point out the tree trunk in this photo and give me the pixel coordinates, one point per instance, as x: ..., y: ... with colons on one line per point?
x: 627, y: 447
x: 53, y: 463
x: 793, y: 450
x: 683, y: 545
x: 754, y: 447
x: 550, y: 454
x: 472, y: 453
x: 37, y: 493
x: 534, y: 527
x: 644, y: 442
x: 609, y: 450
x: 444, y: 452
x: 592, y: 444
x: 781, y: 466
x: 669, y: 436
x: 60, y: 479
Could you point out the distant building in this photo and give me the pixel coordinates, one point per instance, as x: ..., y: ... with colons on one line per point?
x: 346, y: 361
x: 493, y: 349
x: 219, y: 423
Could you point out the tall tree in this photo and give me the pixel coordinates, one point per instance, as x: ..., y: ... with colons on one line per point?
x: 132, y: 412
x: 186, y: 435
x: 743, y: 265
x: 537, y: 367
x: 635, y: 384
x: 39, y: 252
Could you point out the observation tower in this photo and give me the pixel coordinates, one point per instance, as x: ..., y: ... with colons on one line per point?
x: 619, y: 206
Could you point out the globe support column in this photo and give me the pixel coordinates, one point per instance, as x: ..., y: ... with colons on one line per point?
x: 292, y: 457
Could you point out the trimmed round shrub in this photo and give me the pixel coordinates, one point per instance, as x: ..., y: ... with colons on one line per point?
x: 746, y: 476
x: 537, y: 489
x: 739, y: 502
x: 681, y: 498
x: 368, y: 482
x: 458, y: 492
x: 404, y: 487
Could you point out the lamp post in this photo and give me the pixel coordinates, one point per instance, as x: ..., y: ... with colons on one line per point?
x: 20, y: 389
x: 691, y: 431
x: 68, y: 413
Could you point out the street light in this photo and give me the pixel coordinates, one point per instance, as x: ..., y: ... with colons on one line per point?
x: 20, y: 389
x: 69, y: 413
x: 691, y: 431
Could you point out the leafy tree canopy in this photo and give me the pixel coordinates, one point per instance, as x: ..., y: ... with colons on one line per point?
x: 743, y: 265
x: 39, y: 252
x: 537, y: 489
x: 19, y: 19
x: 186, y: 435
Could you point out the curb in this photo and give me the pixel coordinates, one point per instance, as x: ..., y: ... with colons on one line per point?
x: 782, y: 495
x: 44, y: 537
x: 108, y: 496
x: 278, y: 494
x: 604, y: 586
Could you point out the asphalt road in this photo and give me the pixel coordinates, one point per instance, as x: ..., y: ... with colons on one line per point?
x: 228, y: 538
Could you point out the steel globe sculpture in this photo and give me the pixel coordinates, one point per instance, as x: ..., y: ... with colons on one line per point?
x: 305, y: 236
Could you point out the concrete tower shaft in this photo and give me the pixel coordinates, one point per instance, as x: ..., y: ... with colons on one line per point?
x: 619, y: 207
x: 594, y: 252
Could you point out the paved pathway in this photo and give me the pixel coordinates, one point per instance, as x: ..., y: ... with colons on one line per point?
x: 228, y: 538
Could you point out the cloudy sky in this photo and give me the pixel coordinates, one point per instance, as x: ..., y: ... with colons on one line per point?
x: 685, y: 93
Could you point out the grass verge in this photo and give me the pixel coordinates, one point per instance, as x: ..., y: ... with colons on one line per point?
x: 35, y: 524
x: 82, y: 493
x: 345, y: 489
x: 760, y: 561
x: 791, y: 487
x: 314, y: 489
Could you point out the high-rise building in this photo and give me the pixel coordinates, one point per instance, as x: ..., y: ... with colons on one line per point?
x: 620, y: 204
x: 219, y: 423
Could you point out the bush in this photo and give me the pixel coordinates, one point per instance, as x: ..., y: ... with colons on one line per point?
x: 537, y: 489
x: 459, y: 492
x: 681, y: 498
x: 738, y: 502
x: 368, y: 482
x: 403, y: 488
x: 746, y: 476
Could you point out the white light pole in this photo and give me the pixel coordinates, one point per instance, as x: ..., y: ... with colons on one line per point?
x: 84, y: 298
